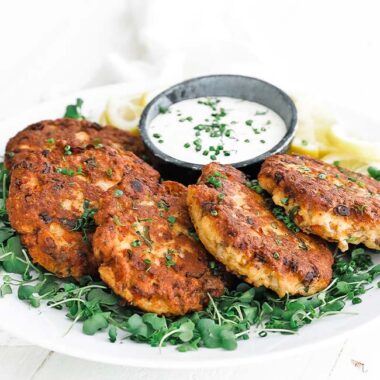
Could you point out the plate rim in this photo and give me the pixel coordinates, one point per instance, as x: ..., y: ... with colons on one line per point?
x: 194, y: 364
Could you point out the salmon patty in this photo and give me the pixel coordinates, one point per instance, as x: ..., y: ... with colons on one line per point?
x: 147, y: 249
x: 53, y: 196
x: 236, y: 226
x: 47, y: 135
x: 334, y: 203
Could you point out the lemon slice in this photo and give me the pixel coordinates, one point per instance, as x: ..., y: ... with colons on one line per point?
x: 306, y: 146
x: 313, y: 125
x: 103, y: 119
x: 352, y: 145
x: 124, y: 112
x: 346, y: 161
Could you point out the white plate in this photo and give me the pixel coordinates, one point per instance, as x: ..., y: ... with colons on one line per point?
x: 46, y: 327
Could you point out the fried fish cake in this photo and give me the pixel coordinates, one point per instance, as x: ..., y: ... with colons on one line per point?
x: 331, y: 202
x: 147, y: 250
x: 53, y: 196
x: 46, y: 135
x: 236, y: 226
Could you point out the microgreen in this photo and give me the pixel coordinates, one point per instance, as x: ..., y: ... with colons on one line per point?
x: 86, y: 222
x: 234, y: 316
x: 241, y: 312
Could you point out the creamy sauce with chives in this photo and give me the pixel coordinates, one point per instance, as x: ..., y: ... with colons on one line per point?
x: 222, y: 129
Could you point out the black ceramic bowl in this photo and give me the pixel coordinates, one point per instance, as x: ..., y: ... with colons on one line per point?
x: 235, y: 86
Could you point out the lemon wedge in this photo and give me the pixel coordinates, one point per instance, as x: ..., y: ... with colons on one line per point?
x: 313, y: 125
x: 305, y: 146
x: 124, y: 112
x: 103, y: 119
x: 348, y: 162
x: 354, y: 145
x: 336, y: 137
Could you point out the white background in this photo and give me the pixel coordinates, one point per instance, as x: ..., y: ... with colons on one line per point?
x: 327, y: 49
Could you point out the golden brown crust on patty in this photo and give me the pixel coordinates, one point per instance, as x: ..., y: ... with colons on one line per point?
x: 334, y: 203
x: 241, y: 232
x: 47, y: 134
x: 47, y: 195
x: 147, y: 253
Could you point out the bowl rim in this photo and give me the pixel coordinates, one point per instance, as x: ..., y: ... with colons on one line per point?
x: 278, y: 148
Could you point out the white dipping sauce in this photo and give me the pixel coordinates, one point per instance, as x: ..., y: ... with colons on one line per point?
x: 222, y: 129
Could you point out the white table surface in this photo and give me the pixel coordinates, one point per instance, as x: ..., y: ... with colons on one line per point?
x: 328, y: 48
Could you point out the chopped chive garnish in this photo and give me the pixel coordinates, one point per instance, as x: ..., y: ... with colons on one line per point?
x: 136, y: 243
x: 171, y: 219
x: 67, y: 150
x: 169, y: 262
x: 260, y: 113
x: 118, y: 193
x: 162, y: 109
